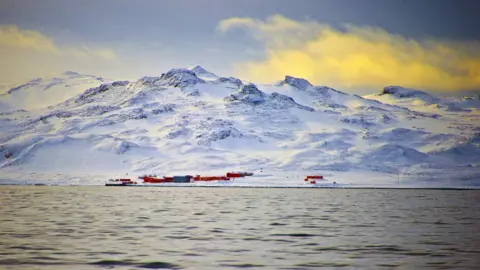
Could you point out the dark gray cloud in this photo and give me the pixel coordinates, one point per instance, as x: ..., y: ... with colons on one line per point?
x: 185, y: 19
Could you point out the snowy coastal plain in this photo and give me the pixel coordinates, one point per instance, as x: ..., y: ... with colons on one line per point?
x: 75, y: 129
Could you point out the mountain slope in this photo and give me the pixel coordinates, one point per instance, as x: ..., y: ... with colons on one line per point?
x: 420, y: 100
x: 43, y: 92
x: 193, y: 121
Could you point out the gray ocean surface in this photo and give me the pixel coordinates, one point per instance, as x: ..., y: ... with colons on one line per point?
x: 227, y: 228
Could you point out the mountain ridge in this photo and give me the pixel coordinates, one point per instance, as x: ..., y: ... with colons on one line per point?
x: 181, y: 122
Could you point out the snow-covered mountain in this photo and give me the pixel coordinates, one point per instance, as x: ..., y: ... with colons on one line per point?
x: 82, y: 129
x: 423, y: 101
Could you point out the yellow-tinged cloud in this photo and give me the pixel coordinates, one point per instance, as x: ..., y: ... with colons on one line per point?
x: 27, y: 53
x: 13, y: 37
x: 359, y: 57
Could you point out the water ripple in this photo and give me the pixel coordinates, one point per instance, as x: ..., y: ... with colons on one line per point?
x: 148, y: 265
x: 175, y: 228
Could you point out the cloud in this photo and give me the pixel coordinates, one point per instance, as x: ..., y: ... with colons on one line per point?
x: 12, y: 36
x: 29, y: 53
x: 275, y: 31
x: 356, y: 57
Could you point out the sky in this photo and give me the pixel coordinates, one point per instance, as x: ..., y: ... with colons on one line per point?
x: 351, y: 45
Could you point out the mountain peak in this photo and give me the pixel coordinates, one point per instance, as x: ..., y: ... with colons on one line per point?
x: 298, y: 83
x: 200, y: 71
x: 179, y: 77
x: 402, y: 92
x: 70, y: 73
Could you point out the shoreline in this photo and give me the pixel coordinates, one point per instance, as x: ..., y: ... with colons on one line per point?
x: 258, y: 186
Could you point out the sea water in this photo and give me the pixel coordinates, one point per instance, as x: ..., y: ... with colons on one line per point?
x: 222, y: 228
